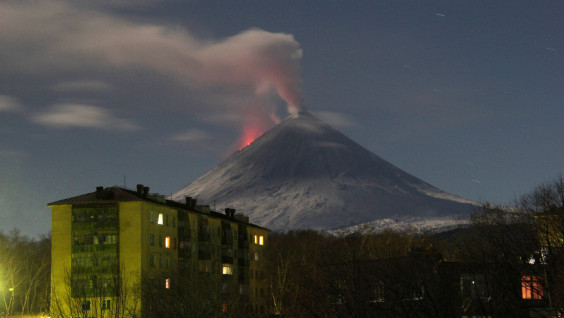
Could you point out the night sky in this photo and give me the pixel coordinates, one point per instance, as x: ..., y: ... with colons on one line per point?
x: 466, y: 95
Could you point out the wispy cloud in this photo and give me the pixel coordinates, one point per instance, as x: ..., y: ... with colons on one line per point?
x: 9, y: 104
x: 247, y: 74
x: 335, y: 119
x: 55, y: 35
x: 82, y: 86
x: 191, y: 135
x: 12, y: 153
x: 83, y: 116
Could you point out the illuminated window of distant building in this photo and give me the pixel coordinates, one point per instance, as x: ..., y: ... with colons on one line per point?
x: 415, y: 291
x: 161, y: 219
x: 378, y: 296
x: 261, y: 240
x: 473, y: 286
x: 167, y: 241
x: 227, y: 269
x: 111, y: 239
x: 531, y: 287
x: 256, y: 239
x: 167, y: 283
x: 224, y: 307
x: 152, y: 239
x: 256, y: 256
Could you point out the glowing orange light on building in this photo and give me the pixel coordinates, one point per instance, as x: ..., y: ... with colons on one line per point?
x: 167, y: 241
x: 531, y: 287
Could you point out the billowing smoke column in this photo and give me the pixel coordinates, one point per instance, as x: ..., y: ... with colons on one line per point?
x: 268, y: 61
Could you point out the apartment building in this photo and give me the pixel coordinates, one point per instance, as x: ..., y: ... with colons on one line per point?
x: 112, y: 246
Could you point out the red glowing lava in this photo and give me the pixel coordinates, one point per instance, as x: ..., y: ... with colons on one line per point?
x: 250, y: 133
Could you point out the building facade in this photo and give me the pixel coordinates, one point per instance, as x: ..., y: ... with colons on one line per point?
x: 118, y: 252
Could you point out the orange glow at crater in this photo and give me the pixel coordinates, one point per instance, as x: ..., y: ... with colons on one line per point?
x: 250, y: 133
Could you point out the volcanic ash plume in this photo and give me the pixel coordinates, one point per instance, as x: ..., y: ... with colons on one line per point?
x: 267, y: 61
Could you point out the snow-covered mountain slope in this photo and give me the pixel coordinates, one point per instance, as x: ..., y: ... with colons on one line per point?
x: 305, y: 174
x: 411, y: 225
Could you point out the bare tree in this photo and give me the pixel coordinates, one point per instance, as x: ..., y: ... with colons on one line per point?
x: 25, y: 273
x: 113, y: 297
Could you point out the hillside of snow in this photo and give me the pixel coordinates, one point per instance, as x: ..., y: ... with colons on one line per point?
x: 305, y: 174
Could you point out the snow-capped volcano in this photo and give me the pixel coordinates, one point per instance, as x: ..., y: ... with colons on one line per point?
x: 305, y: 174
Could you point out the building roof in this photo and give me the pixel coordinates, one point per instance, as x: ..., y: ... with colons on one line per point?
x: 107, y: 195
x: 118, y: 194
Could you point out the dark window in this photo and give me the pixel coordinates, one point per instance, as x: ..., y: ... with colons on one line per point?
x: 86, y: 305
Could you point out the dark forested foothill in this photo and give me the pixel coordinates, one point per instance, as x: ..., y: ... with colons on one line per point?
x: 509, y: 262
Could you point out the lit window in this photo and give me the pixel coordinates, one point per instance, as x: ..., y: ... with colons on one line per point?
x: 261, y: 240
x: 224, y: 308
x: 256, y: 239
x: 378, y: 293
x: 167, y: 283
x: 167, y: 241
x: 227, y: 270
x: 256, y: 256
x: 531, y: 287
x: 160, y: 220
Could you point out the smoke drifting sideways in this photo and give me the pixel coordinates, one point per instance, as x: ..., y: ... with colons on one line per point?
x: 268, y: 61
x: 255, y: 61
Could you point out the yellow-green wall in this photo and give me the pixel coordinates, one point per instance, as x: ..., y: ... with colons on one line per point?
x: 60, y: 257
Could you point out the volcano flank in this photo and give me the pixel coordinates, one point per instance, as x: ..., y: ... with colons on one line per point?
x: 305, y: 174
